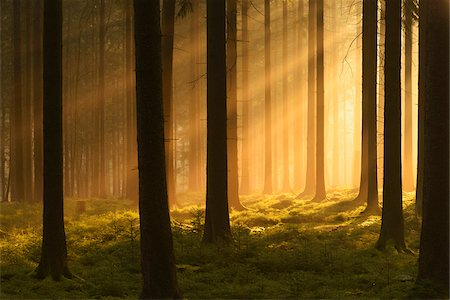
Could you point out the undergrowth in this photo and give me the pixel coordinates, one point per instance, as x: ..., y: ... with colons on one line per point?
x: 282, y: 248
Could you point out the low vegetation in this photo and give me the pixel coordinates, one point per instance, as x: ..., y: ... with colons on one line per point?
x: 282, y: 248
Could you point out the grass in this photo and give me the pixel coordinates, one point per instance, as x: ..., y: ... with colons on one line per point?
x: 282, y: 248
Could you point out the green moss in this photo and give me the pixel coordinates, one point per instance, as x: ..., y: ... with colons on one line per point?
x: 282, y: 248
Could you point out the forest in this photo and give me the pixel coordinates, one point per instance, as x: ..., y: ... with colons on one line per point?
x: 224, y: 149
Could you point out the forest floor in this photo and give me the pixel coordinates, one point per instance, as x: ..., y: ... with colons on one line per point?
x: 282, y: 248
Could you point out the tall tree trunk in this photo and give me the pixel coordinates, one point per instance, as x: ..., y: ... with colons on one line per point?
x: 233, y: 178
x: 131, y: 174
x: 286, y: 119
x: 17, y: 172
x: 101, y: 100
x: 217, y: 223
x: 335, y: 96
x: 245, y: 173
x: 168, y: 25
x: 299, y: 104
x: 194, y: 107
x: 434, y: 78
x: 369, y: 67
x: 320, y: 192
x: 267, y: 102
x: 157, y: 259
x: 380, y: 107
x: 38, y: 104
x: 408, y: 181
x: 310, y: 184
x: 392, y: 225
x: 54, y: 252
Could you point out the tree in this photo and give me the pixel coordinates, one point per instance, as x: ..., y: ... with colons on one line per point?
x: 434, y: 78
x: 101, y: 102
x: 310, y: 184
x: 392, y: 226
x: 232, y: 138
x: 167, y: 30
x: 157, y: 259
x: 54, y: 252
x: 267, y: 103
x: 320, y: 192
x: 217, y: 223
x: 408, y: 181
x: 285, y: 126
x: 245, y: 177
x: 369, y: 181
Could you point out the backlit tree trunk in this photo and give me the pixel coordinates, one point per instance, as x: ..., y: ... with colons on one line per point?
x: 267, y: 103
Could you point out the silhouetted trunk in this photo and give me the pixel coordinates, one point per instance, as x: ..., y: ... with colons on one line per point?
x: 168, y: 25
x: 233, y: 179
x: 434, y: 78
x: 157, y: 259
x: 54, y: 252
x: 245, y: 173
x: 194, y: 107
x: 131, y: 174
x: 408, y: 181
x: 267, y: 103
x: 101, y: 100
x: 17, y: 172
x: 369, y: 193
x: 286, y: 119
x: 392, y: 225
x: 217, y: 223
x: 299, y: 102
x: 320, y: 192
x: 38, y: 104
x: 310, y: 184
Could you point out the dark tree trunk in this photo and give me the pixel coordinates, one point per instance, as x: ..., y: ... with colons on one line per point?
x: 168, y: 25
x: 310, y: 184
x: 267, y: 102
x: 131, y: 158
x: 320, y: 192
x: 217, y: 224
x: 54, y: 252
x: 101, y: 101
x: 245, y: 175
x: 194, y: 107
x: 408, y: 181
x: 38, y: 105
x: 434, y: 78
x: 157, y: 259
x: 17, y: 172
x: 233, y: 180
x: 369, y: 192
x: 392, y: 225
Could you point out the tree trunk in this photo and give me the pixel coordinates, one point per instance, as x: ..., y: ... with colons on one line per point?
x: 380, y: 108
x: 408, y: 181
x: 168, y: 24
x: 54, y: 252
x: 434, y: 78
x: 369, y: 67
x: 157, y: 259
x: 310, y: 184
x: 17, y: 172
x: 392, y: 225
x: 286, y: 119
x: 233, y: 180
x: 38, y: 104
x: 217, y: 223
x: 245, y: 173
x: 320, y: 192
x: 131, y: 174
x: 101, y: 101
x: 267, y: 102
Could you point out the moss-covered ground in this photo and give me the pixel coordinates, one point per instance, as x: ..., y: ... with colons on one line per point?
x: 282, y: 248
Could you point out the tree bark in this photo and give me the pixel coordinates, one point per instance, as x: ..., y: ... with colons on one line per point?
x: 434, y: 78
x: 157, y: 259
x: 392, y: 225
x: 54, y: 252
x: 267, y: 102
x: 168, y: 25
x: 217, y: 223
